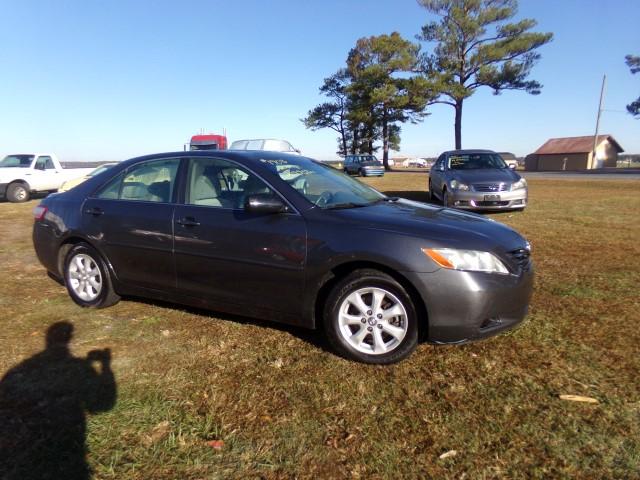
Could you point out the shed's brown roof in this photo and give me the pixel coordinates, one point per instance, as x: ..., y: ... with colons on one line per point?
x: 574, y: 145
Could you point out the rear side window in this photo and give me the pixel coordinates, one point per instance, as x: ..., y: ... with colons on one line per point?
x: 152, y: 181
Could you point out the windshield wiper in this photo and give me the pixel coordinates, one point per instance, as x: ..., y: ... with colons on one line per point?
x: 339, y: 206
x: 385, y: 199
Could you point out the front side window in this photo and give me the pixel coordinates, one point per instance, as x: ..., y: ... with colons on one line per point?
x: 215, y: 182
x: 44, y: 163
x: 152, y: 181
x: 322, y: 185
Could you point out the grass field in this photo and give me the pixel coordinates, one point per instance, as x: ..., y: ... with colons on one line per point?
x: 201, y: 395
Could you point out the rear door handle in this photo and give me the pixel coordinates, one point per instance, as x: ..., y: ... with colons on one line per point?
x: 188, y: 222
x: 95, y: 211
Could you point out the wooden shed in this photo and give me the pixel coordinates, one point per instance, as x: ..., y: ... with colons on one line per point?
x: 575, y: 153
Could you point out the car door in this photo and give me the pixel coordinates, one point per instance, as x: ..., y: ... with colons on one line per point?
x: 44, y: 175
x: 131, y: 221
x: 355, y: 164
x: 234, y: 257
x: 347, y: 163
x: 437, y: 175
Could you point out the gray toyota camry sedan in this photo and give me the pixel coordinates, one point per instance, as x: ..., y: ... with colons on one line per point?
x: 476, y: 180
x: 286, y: 238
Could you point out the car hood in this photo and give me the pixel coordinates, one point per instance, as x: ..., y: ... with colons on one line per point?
x: 437, y: 226
x: 491, y: 175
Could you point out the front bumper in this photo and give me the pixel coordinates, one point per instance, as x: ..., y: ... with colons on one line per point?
x: 481, y: 200
x: 3, y: 190
x: 370, y: 172
x: 467, y: 306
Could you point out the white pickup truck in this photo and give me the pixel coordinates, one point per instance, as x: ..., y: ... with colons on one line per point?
x: 24, y: 174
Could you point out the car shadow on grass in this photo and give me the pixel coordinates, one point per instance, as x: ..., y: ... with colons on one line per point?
x: 43, y: 405
x: 313, y: 337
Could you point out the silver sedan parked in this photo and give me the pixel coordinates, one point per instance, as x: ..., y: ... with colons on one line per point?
x: 476, y: 180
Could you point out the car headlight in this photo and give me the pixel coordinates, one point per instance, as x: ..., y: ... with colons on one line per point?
x: 522, y: 183
x: 471, y: 260
x: 456, y: 185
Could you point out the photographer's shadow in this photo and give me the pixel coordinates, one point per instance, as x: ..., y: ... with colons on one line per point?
x: 43, y: 404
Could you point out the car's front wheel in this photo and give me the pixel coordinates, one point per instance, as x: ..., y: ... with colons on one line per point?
x: 445, y: 198
x: 87, y: 278
x: 18, y: 193
x: 369, y: 317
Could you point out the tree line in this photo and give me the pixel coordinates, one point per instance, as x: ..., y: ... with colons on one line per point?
x: 388, y: 80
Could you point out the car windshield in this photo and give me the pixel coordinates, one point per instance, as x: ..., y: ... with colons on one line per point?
x: 368, y: 158
x: 20, y: 161
x: 475, y: 161
x: 100, y: 169
x: 322, y: 185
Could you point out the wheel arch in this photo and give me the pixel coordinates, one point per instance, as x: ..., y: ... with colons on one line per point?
x: 21, y: 181
x: 340, y: 271
x: 68, y: 244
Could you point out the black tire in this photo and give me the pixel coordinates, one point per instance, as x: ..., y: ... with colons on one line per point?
x: 445, y: 198
x: 18, y: 193
x: 345, y: 171
x: 361, y: 173
x: 430, y: 197
x: 89, y: 257
x: 361, y: 280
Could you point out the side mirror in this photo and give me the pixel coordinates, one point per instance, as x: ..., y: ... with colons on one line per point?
x: 264, y: 203
x: 440, y: 168
x: 512, y: 166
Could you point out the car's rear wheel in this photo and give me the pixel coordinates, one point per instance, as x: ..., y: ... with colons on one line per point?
x: 361, y: 173
x: 87, y: 278
x: 430, y: 196
x: 369, y: 317
x: 18, y: 193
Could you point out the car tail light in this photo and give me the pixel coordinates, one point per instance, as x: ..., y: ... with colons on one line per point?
x: 39, y: 212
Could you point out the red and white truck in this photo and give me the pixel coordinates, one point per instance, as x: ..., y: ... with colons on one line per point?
x: 208, y: 142
x: 22, y: 175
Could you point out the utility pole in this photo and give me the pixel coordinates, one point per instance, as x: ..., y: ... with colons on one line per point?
x: 595, y: 137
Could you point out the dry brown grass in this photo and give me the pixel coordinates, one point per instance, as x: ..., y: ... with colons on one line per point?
x: 286, y: 407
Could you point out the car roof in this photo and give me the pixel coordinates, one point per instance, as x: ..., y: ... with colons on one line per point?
x: 250, y: 155
x: 467, y: 151
x: 260, y: 140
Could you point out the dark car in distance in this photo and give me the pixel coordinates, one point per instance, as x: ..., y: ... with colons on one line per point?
x: 363, y: 165
x: 283, y: 237
x: 477, y: 180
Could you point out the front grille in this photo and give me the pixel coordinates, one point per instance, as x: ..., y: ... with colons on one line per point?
x: 491, y: 187
x: 492, y: 204
x: 521, y: 257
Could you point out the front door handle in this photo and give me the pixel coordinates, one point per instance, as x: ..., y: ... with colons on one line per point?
x: 188, y: 222
x: 95, y: 211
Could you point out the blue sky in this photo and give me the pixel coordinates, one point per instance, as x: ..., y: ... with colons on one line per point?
x: 110, y: 80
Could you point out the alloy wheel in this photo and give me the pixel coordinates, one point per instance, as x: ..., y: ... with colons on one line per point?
x: 372, y: 320
x: 85, y: 278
